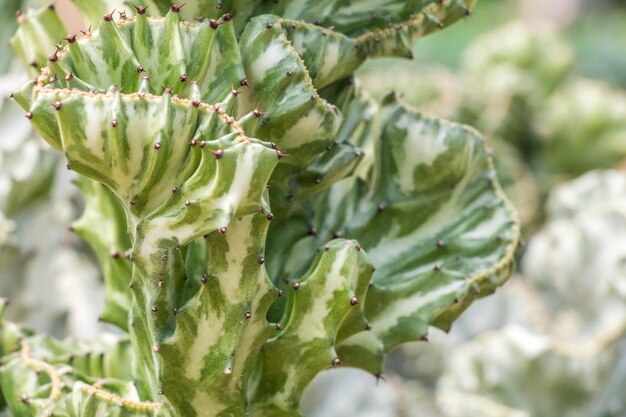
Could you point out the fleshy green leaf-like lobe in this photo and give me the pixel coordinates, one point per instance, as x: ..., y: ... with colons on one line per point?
x: 433, y: 220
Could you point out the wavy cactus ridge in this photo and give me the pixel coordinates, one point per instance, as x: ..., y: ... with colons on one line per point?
x: 467, y: 258
x: 381, y: 28
x: 210, y: 356
x: 300, y: 122
x: 399, y: 39
x: 341, y: 272
x: 455, y: 246
x: 121, y: 53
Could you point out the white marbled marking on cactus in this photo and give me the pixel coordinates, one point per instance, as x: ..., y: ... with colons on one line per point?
x: 300, y: 133
x: 314, y: 327
x: 419, y: 149
x: 407, y: 307
x: 330, y: 61
x: 209, y: 331
x: 270, y: 58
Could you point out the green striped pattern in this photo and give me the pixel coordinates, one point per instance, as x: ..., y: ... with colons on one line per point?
x: 433, y: 220
x: 103, y: 226
x: 297, y: 120
x: 381, y: 28
x: 180, y: 186
x: 39, y: 30
x: 328, y: 297
x: 210, y: 357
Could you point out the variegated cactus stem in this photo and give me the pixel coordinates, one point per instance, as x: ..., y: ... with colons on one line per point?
x: 181, y: 168
x: 150, y: 107
x: 433, y: 219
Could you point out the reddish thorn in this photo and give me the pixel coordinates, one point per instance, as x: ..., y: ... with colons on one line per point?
x: 141, y: 9
x: 296, y: 285
x: 258, y: 113
x: 247, y: 315
x: 57, y: 106
x: 114, y: 122
x: 380, y: 377
x: 183, y: 77
x: 71, y: 38
x: 176, y: 8
x: 109, y: 16
x: 270, y: 216
x: 195, y: 103
x: 187, y: 203
x: 29, y: 115
x: 223, y: 229
x: 354, y: 301
x: 424, y: 338
x: 261, y: 260
x: 157, y: 146
x: 336, y: 362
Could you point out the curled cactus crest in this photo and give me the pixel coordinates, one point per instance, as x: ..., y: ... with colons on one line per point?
x: 257, y: 217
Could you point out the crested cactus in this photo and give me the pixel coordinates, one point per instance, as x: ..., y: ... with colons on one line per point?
x: 257, y: 217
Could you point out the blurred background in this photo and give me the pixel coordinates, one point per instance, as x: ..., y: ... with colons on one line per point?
x: 545, y: 81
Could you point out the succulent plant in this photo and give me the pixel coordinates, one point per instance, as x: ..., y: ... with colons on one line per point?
x: 240, y: 189
x: 576, y: 262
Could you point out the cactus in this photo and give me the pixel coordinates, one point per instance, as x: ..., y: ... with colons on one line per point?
x: 240, y: 188
x: 576, y: 262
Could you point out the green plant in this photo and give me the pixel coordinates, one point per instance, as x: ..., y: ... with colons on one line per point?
x: 240, y: 188
x: 576, y: 263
